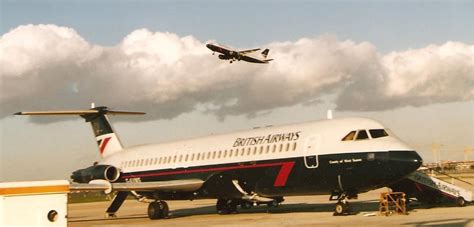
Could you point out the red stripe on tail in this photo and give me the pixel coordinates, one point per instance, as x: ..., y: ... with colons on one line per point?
x: 104, y: 144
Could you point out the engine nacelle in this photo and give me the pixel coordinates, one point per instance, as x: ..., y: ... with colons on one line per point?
x: 102, y: 172
x: 224, y: 57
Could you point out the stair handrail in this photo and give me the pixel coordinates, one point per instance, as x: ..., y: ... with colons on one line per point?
x: 459, y: 179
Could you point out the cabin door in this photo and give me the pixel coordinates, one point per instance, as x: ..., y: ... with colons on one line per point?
x: 311, y: 150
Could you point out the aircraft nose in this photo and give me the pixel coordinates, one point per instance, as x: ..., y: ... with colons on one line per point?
x: 404, y: 162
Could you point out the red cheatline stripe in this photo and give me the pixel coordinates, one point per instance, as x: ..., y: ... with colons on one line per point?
x: 104, y: 143
x: 280, y: 181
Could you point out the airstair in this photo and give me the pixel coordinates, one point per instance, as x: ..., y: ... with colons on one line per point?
x: 431, y: 189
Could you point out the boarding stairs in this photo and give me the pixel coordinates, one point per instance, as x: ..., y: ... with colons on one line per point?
x: 427, y: 185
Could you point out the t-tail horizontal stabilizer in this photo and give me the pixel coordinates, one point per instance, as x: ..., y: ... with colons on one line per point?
x: 107, y: 140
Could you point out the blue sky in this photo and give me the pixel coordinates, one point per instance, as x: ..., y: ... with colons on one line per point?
x: 51, y: 151
x: 390, y: 25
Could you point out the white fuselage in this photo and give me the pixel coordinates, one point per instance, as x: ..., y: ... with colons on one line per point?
x: 267, y: 143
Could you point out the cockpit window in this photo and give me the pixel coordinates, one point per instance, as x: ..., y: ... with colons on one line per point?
x: 377, y: 133
x: 362, y: 135
x: 349, y: 136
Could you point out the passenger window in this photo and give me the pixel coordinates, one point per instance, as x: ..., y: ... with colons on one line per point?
x: 362, y: 135
x: 186, y: 157
x: 242, y: 151
x: 213, y: 155
x: 230, y: 152
x: 254, y: 150
x: 192, y: 157
x: 281, y: 147
x: 377, y: 133
x: 267, y: 149
x: 294, y: 145
x: 274, y: 148
x: 287, y: 147
x: 248, y: 151
x: 225, y: 153
x: 349, y: 136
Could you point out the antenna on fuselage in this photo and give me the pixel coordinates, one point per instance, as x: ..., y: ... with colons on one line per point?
x: 329, y: 115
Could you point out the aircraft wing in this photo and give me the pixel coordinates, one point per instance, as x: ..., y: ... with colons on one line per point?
x: 255, y: 60
x: 172, y: 185
x: 248, y: 51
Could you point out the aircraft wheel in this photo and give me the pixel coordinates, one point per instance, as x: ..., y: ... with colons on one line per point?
x: 226, y: 206
x: 460, y: 202
x: 342, y: 208
x: 246, y: 205
x: 273, y: 203
x: 154, y: 210
x: 164, y: 209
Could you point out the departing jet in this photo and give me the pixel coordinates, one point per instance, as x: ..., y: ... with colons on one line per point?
x: 338, y: 157
x: 233, y: 55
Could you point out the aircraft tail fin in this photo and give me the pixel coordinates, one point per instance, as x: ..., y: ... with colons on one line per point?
x: 265, y: 53
x: 107, y: 140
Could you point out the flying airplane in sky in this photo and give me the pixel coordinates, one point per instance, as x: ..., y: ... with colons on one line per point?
x: 338, y: 157
x: 234, y: 55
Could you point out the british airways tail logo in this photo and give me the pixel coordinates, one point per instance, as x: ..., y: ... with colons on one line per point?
x: 103, y: 143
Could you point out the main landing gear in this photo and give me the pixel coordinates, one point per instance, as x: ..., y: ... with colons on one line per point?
x: 158, y: 210
x: 229, y: 206
x: 226, y: 206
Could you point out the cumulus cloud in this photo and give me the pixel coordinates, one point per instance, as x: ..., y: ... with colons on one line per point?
x: 51, y: 67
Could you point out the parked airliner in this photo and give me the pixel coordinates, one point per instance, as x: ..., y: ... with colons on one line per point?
x: 338, y: 157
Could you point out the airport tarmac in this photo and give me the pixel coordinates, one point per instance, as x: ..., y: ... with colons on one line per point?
x: 295, y: 211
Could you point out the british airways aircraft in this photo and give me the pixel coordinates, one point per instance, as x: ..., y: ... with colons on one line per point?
x: 227, y: 53
x: 338, y: 157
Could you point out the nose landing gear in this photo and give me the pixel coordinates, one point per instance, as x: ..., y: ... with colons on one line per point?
x: 342, y: 206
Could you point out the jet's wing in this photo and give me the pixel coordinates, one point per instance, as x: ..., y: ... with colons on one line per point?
x: 172, y: 185
x: 248, y: 58
x: 248, y: 51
